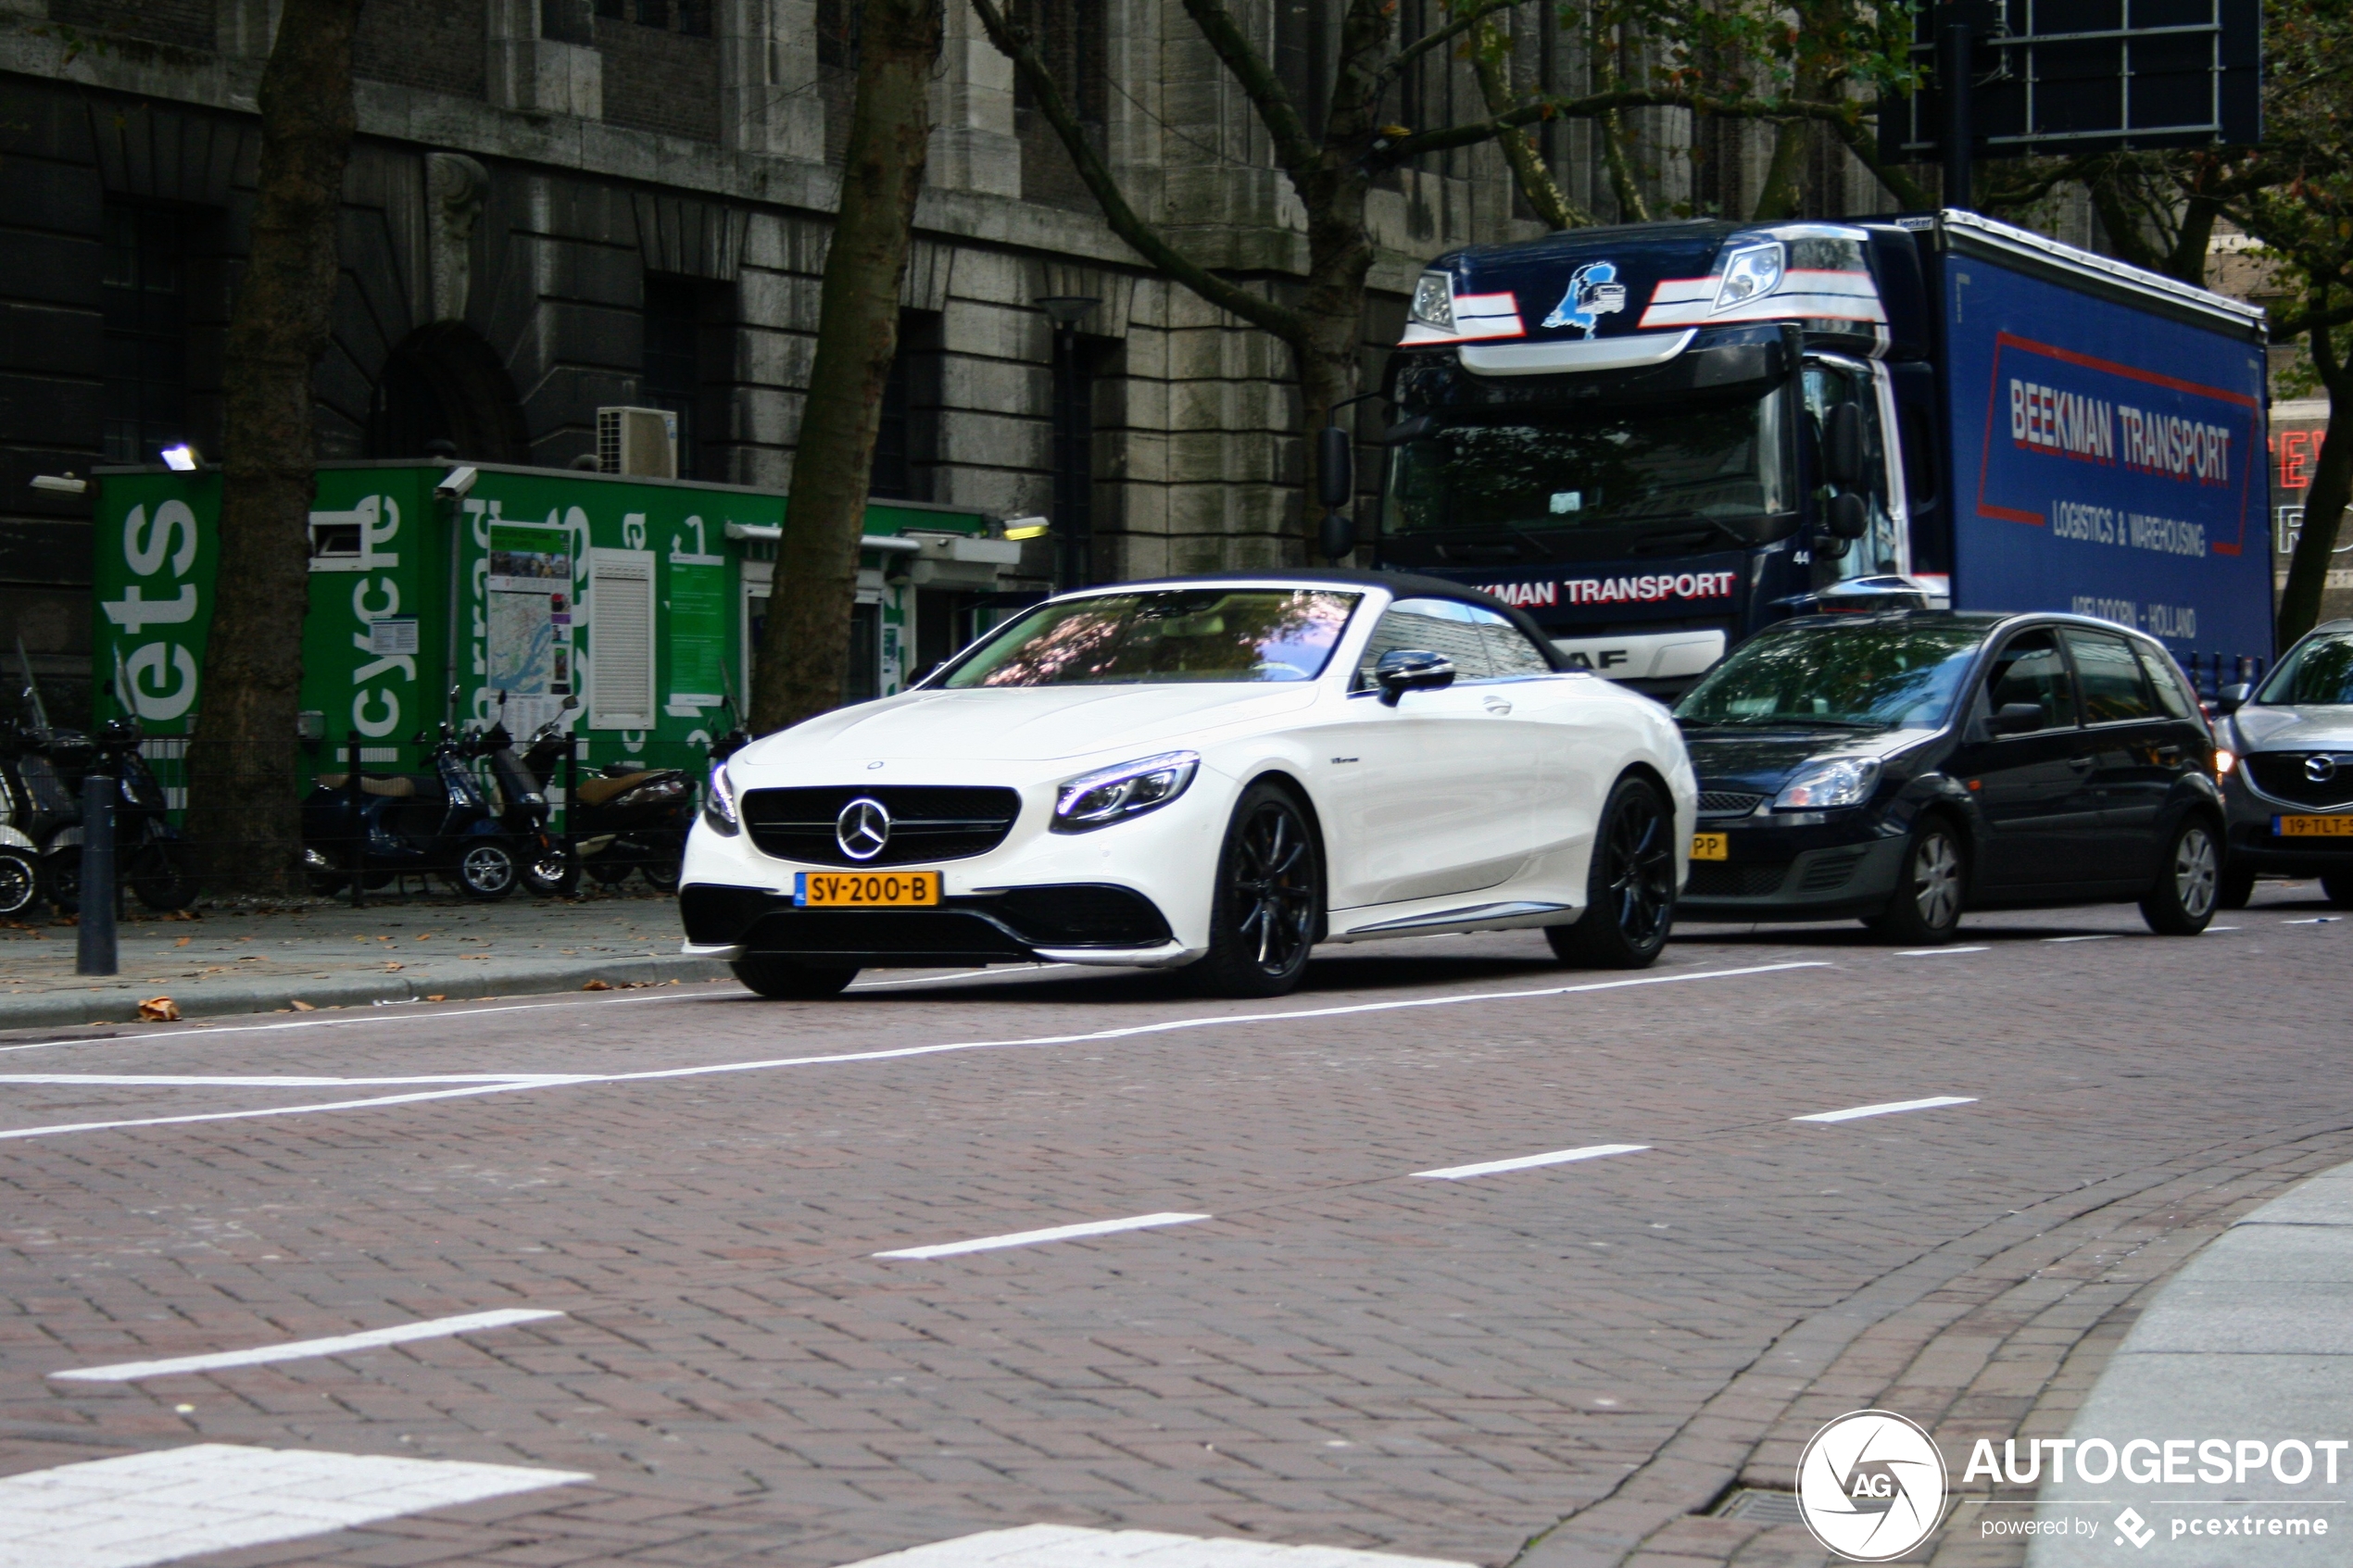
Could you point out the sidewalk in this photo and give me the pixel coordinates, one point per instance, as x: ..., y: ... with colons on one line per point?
x: 2251, y: 1343
x: 323, y: 955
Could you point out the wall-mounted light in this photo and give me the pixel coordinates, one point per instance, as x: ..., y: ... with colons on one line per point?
x: 60, y: 483
x: 181, y: 459
x: 1023, y: 529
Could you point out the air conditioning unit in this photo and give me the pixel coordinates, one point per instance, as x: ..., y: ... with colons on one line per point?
x: 641, y: 442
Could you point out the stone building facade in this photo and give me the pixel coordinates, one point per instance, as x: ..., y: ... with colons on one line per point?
x: 555, y: 206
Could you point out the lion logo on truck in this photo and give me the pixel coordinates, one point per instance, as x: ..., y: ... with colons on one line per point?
x: 1593, y: 292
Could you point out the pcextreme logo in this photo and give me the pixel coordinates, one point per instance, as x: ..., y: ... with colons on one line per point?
x: 1871, y: 1485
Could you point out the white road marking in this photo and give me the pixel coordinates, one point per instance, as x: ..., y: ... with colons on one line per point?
x: 1934, y: 952
x: 359, y: 1016
x: 899, y: 1053
x: 2316, y: 920
x: 142, y: 1509
x: 1530, y: 1161
x: 301, y: 1349
x: 1073, y: 1545
x: 182, y: 1081
x: 2099, y: 937
x: 1032, y: 1239
x: 999, y: 971
x: 1855, y: 1114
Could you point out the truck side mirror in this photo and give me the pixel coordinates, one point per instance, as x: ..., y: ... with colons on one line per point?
x: 1845, y: 517
x: 1335, y: 467
x: 1843, y: 447
x: 2016, y: 718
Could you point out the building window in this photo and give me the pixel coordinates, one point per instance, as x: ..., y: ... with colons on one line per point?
x: 689, y: 17
x: 1077, y: 361
x: 1302, y: 57
x: 685, y: 362
x: 146, y: 294
x: 904, y: 438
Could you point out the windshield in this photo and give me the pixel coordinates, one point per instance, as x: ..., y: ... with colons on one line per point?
x: 1591, y: 469
x: 2318, y: 672
x: 1902, y: 675
x: 1192, y: 634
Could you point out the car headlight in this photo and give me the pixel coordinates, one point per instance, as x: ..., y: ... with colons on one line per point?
x: 1827, y: 782
x: 719, y: 804
x: 2224, y: 760
x: 1113, y: 795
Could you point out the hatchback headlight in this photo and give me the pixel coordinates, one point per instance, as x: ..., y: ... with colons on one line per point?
x: 719, y: 804
x: 1827, y: 782
x: 1113, y: 795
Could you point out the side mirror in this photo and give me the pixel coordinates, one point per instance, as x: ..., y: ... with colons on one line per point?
x: 1846, y: 517
x: 1335, y: 467
x: 2016, y: 718
x: 1843, y: 446
x: 1411, y: 669
x: 1338, y: 536
x: 2229, y: 699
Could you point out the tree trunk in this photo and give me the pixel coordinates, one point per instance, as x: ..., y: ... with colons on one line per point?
x: 244, y: 799
x: 804, y: 648
x: 2307, y: 569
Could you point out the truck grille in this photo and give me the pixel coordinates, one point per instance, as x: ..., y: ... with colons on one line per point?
x: 928, y: 822
x: 2280, y: 775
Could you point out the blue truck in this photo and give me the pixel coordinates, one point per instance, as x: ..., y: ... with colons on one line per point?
x: 1658, y: 438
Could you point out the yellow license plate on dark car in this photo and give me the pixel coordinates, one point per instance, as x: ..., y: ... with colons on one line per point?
x: 865, y: 890
x: 1711, y: 846
x: 2313, y: 827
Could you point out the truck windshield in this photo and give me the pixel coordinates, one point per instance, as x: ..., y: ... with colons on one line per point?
x: 2320, y: 671
x: 1590, y: 470
x: 1866, y: 675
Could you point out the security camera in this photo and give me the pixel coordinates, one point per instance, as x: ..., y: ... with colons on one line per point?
x: 454, y: 483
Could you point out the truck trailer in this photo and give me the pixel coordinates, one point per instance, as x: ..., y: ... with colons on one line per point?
x: 1658, y: 438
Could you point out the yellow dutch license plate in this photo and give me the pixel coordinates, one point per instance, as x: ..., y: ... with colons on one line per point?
x: 2313, y: 827
x: 865, y: 890
x: 1711, y: 846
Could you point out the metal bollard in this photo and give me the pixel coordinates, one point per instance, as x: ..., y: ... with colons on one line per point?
x: 94, y: 950
x: 360, y: 845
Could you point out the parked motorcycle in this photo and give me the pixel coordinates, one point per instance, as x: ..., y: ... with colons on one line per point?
x: 625, y: 817
x: 43, y: 779
x: 548, y: 870
x: 378, y: 826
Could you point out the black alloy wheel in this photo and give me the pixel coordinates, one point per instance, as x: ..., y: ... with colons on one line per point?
x: 19, y: 881
x: 782, y: 979
x: 1629, y: 891
x: 486, y: 870
x: 1925, y: 910
x: 61, y: 879
x: 160, y: 875
x: 552, y: 872
x: 2189, y: 875
x: 1268, y: 901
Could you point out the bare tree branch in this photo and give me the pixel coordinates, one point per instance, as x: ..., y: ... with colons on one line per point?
x: 1294, y: 149
x: 1489, y: 55
x: 1472, y: 15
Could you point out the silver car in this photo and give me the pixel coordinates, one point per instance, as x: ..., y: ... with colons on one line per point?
x: 2291, y: 794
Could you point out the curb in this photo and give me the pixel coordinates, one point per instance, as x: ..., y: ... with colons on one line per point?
x: 119, y: 1004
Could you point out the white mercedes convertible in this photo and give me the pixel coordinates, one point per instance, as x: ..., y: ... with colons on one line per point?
x: 1212, y: 773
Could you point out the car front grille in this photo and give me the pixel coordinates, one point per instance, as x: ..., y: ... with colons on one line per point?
x: 928, y: 822
x: 1711, y: 879
x: 2280, y: 775
x: 1728, y: 803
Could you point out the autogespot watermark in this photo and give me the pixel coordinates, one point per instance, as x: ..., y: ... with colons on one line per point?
x: 1872, y: 1487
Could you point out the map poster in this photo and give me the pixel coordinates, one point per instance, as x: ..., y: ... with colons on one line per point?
x: 527, y: 558
x: 698, y: 633
x: 523, y: 645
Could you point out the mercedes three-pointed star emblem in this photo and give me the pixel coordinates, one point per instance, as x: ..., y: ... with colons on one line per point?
x: 863, y: 828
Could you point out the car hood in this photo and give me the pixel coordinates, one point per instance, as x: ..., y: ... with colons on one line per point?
x: 1765, y: 759
x: 2320, y: 727
x: 1029, y: 723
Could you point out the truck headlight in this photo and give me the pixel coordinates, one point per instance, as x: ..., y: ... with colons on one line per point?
x: 1113, y: 795
x: 1434, y: 301
x: 1827, y: 782
x: 719, y: 812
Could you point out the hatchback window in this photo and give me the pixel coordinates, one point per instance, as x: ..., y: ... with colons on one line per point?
x: 1900, y: 674
x: 2028, y: 669
x: 2162, y: 675
x: 2319, y: 671
x: 1178, y: 635
x: 2114, y: 691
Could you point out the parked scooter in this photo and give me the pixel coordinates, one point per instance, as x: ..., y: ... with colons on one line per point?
x: 625, y: 817
x: 43, y: 779
x: 546, y: 869
x: 378, y: 826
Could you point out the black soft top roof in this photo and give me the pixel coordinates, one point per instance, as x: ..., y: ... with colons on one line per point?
x: 1405, y: 585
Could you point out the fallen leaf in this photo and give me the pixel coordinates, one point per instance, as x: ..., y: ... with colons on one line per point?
x: 393, y: 966
x: 437, y: 997
x: 187, y: 914
x: 183, y: 941
x: 301, y: 1006
x: 159, y: 1010
x: 596, y: 985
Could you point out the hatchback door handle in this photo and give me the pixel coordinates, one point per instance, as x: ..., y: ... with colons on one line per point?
x: 2079, y: 762
x: 1497, y: 706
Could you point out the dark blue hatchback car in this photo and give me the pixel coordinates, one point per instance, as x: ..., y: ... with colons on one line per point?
x: 1902, y: 768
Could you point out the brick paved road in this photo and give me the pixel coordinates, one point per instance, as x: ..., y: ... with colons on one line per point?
x: 1585, y: 1355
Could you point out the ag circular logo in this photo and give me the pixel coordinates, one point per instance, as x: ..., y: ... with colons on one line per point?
x: 863, y: 828
x: 1871, y: 1485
